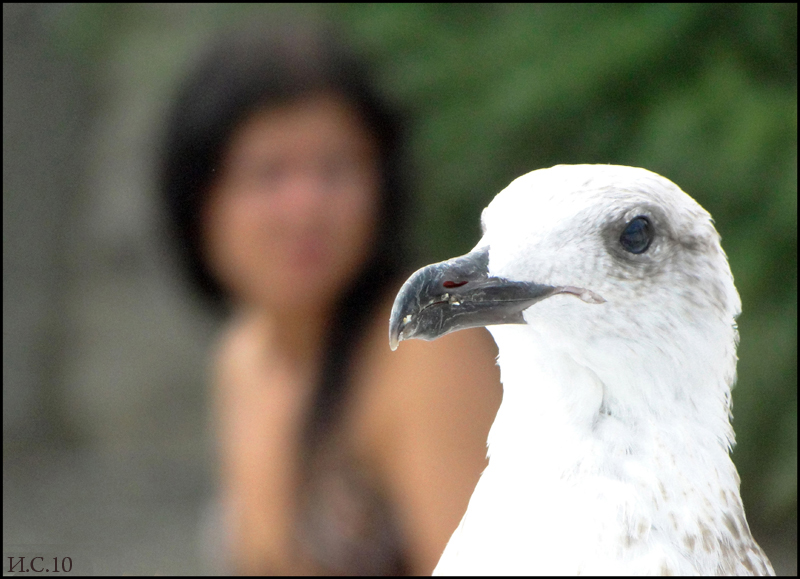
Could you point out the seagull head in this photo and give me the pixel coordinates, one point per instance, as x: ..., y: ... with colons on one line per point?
x: 607, y: 264
x: 613, y: 308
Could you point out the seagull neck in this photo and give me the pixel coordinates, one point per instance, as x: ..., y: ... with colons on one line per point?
x: 557, y: 411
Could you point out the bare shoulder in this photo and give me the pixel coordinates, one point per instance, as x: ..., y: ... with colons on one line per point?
x: 421, y: 418
x: 450, y: 385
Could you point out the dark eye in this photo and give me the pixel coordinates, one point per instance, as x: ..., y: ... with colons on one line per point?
x: 638, y: 235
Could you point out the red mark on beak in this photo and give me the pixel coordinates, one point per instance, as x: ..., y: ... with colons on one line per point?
x: 452, y: 284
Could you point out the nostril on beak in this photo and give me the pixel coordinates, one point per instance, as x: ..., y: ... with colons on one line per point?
x: 451, y: 284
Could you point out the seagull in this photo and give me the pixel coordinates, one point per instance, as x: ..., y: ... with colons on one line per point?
x: 613, y: 308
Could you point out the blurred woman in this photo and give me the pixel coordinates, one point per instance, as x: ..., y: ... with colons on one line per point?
x: 286, y: 193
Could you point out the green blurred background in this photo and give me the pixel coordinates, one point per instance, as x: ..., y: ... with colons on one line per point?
x: 104, y: 428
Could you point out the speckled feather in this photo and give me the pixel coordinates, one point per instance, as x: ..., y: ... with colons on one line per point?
x: 610, y: 451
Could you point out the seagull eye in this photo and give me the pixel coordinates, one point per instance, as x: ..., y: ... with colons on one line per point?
x: 638, y: 235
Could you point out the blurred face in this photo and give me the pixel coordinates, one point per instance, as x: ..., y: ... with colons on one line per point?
x: 292, y: 213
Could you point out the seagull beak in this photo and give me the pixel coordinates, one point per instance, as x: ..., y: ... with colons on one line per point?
x: 458, y: 294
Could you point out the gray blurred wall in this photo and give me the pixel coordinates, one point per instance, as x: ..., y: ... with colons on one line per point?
x: 105, y: 430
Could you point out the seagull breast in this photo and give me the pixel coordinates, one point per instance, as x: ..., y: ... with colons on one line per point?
x: 613, y: 308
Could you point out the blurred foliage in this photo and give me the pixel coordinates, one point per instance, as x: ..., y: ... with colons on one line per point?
x: 704, y: 94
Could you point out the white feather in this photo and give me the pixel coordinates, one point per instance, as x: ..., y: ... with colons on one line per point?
x: 610, y: 451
